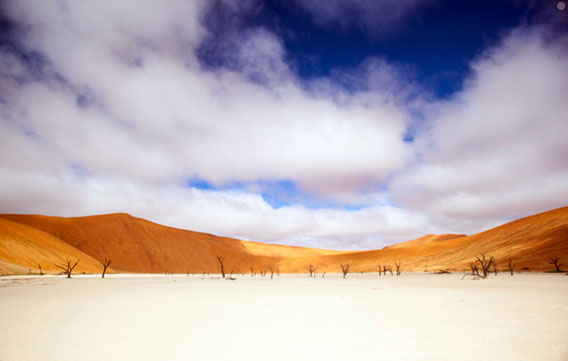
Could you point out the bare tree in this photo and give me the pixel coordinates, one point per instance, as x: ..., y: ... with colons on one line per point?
x: 278, y: 271
x: 554, y: 261
x: 485, y: 264
x: 40, y: 270
x: 474, y: 268
x: 271, y: 271
x: 311, y: 269
x: 379, y: 267
x: 105, y: 265
x: 323, y: 275
x: 68, y: 267
x: 385, y: 270
x: 398, y: 269
x: 345, y: 269
x: 221, y: 260
x: 251, y: 271
x: 494, y: 265
x: 390, y: 270
x: 511, y: 264
x: 263, y: 272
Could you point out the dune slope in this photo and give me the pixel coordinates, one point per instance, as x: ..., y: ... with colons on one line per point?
x: 24, y: 248
x: 137, y: 245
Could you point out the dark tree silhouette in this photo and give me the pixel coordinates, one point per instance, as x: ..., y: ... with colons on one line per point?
x: 511, y: 265
x: 554, y: 261
x: 251, y: 271
x: 494, y: 265
x: 312, y: 270
x: 271, y: 269
x: 474, y: 268
x: 105, y: 265
x: 221, y: 260
x: 398, y: 269
x: 345, y: 269
x: 40, y: 270
x: 485, y: 264
x: 67, y: 267
x: 379, y: 267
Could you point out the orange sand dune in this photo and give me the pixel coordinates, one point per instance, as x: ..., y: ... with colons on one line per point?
x: 24, y: 248
x: 427, y: 239
x: 530, y: 241
x: 137, y: 245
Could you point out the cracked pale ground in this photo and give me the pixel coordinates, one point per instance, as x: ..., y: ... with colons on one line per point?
x: 292, y: 317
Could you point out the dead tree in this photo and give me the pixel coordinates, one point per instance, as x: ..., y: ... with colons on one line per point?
x: 263, y: 272
x: 474, y: 268
x: 485, y: 264
x: 345, y: 269
x: 271, y: 271
x: 105, y: 265
x: 68, y: 267
x: 221, y: 260
x: 554, y: 261
x: 390, y: 270
x: 312, y: 270
x: 40, y: 270
x: 494, y: 265
x: 278, y: 271
x: 398, y: 269
x: 323, y: 275
x: 251, y: 271
x: 379, y: 267
x: 511, y: 264
x: 385, y: 270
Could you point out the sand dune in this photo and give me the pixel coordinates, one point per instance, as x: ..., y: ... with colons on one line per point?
x: 137, y: 245
x: 427, y: 239
x: 23, y: 248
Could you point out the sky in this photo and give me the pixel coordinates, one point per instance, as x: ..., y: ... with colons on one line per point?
x: 333, y: 124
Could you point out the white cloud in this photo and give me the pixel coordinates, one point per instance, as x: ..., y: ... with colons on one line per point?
x: 497, y: 149
x: 121, y: 115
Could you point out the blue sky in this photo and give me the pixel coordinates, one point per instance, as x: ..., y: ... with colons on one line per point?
x: 338, y: 124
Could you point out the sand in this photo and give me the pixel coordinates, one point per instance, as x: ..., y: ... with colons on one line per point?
x: 136, y: 245
x: 292, y: 317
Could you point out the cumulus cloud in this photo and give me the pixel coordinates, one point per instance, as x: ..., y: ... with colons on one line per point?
x: 115, y: 99
x: 107, y: 109
x: 497, y: 149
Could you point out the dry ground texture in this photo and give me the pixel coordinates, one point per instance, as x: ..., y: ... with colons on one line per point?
x: 292, y: 317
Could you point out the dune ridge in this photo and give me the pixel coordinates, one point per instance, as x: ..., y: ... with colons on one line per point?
x: 138, y: 245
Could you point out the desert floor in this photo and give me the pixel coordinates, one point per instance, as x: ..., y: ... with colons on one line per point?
x: 292, y: 317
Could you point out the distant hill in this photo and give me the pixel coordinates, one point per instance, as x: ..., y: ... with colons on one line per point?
x: 138, y: 245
